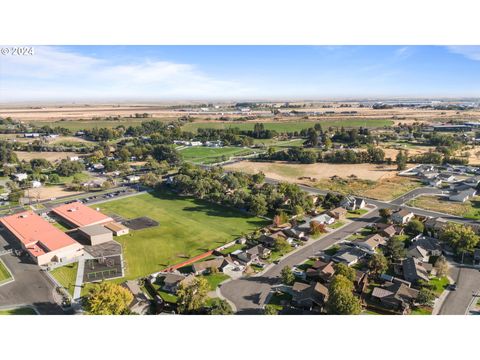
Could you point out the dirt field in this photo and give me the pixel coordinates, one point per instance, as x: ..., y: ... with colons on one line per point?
x: 50, y: 156
x: 392, y: 153
x: 49, y: 192
x: 292, y: 172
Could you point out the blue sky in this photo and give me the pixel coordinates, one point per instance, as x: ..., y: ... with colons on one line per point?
x: 76, y: 73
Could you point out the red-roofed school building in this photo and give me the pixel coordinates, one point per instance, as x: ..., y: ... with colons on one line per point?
x: 77, y: 215
x: 43, y: 241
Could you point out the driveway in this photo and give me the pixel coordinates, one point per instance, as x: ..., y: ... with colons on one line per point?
x: 249, y: 294
x: 468, y: 283
x: 31, y: 286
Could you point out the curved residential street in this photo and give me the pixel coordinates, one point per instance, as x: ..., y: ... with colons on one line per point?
x: 249, y: 294
x: 468, y: 284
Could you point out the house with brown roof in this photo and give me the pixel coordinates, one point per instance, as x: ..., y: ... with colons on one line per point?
x: 415, y: 270
x: 338, y: 213
x: 205, y: 267
x: 394, y: 296
x: 311, y: 297
x: 372, y: 242
x: 321, y: 270
x: 140, y: 303
x: 171, y: 281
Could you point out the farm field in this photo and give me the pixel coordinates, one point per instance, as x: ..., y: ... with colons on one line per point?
x: 288, y: 126
x: 291, y: 172
x: 49, y: 192
x: 187, y: 227
x: 208, y: 155
x: 66, y: 276
x: 469, y: 209
x: 76, y: 125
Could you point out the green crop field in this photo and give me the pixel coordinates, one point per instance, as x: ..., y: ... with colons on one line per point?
x: 288, y: 126
x: 187, y: 227
x: 76, y: 125
x: 208, y: 155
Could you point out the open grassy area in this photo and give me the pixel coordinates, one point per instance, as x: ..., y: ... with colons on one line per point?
x: 288, y: 126
x: 66, y: 276
x: 75, y: 125
x: 352, y: 214
x: 18, y: 311
x: 208, y: 155
x: 187, y: 227
x: 337, y: 224
x: 215, y: 279
x: 469, y: 209
x: 384, y: 189
x: 279, y: 300
x: 439, y: 284
x: 421, y: 311
x: 4, y: 273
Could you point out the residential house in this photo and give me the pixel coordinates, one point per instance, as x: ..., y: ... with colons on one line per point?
x: 429, y: 246
x: 352, y: 203
x: 171, y: 281
x: 446, y: 177
x: 387, y: 230
x: 415, y: 270
x: 309, y: 297
x: 349, y: 256
x: 395, y: 296
x: 321, y: 270
x: 133, y: 179
x: 205, y: 267
x: 323, y: 219
x: 294, y: 232
x: 372, y: 242
x: 463, y: 196
x: 20, y: 177
x: 402, y: 216
x: 140, y: 303
x: 361, y: 281
x: 271, y: 240
x: 254, y: 254
x: 338, y: 213
x: 434, y: 226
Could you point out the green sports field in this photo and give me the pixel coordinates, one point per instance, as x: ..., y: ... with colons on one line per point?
x: 208, y: 155
x: 288, y: 126
x: 188, y: 227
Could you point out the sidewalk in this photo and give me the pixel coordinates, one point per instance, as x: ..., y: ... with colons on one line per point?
x: 79, y: 280
x: 437, y: 306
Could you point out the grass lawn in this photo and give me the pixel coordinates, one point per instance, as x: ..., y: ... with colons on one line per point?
x: 356, y: 213
x: 233, y: 248
x: 288, y: 126
x: 439, y: 284
x: 279, y: 299
x: 215, y: 279
x: 305, y: 265
x: 66, y: 276
x: 187, y: 227
x: 385, y: 189
x: 336, y: 224
x: 4, y: 273
x: 469, y: 209
x: 18, y: 311
x: 421, y: 311
x: 332, y: 250
x: 206, y: 155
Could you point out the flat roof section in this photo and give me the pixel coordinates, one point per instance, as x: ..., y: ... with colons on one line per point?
x: 80, y: 215
x: 94, y: 230
x: 36, y: 234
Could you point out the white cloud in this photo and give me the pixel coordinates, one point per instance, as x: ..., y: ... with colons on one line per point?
x: 470, y: 52
x: 54, y: 74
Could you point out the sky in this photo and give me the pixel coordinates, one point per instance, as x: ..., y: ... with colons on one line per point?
x: 173, y: 73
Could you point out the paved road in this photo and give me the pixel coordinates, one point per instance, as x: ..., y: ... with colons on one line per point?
x: 249, y: 294
x: 31, y: 286
x: 468, y: 283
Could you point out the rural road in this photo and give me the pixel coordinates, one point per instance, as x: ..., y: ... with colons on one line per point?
x: 249, y: 294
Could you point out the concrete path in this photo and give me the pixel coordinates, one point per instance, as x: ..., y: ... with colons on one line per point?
x: 79, y: 280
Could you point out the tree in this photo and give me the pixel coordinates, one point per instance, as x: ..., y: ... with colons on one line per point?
x: 395, y: 248
x: 385, y: 213
x: 414, y: 227
x: 426, y: 296
x: 401, y: 160
x: 166, y: 153
x: 270, y: 310
x: 191, y: 297
x: 441, y: 266
x: 341, y: 299
x: 282, y: 245
x: 287, y: 276
x: 69, y: 168
x: 107, y: 298
x: 220, y: 307
x: 344, y: 270
x: 54, y: 178
x: 280, y: 219
x: 461, y: 237
x: 258, y: 205
x: 317, y: 228
x: 378, y: 264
